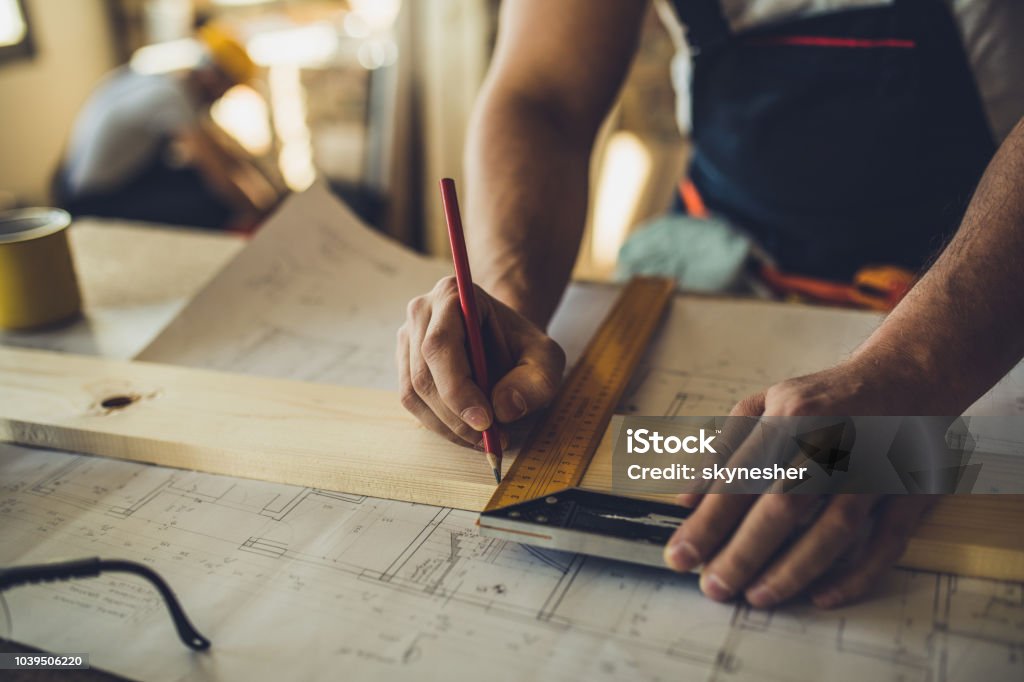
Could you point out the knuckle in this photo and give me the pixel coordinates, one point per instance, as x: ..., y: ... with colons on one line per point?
x: 781, y: 508
x: 744, y: 407
x: 788, y: 399
x: 799, y: 405
x: 537, y: 390
x: 422, y: 381
x: 777, y: 392
x: 416, y: 307
x: 450, y: 309
x: 554, y: 351
x: 544, y: 378
x: 434, y: 344
x: 447, y: 286
x: 409, y: 398
x: 843, y: 518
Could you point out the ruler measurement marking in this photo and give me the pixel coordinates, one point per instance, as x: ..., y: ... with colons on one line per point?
x: 556, y: 454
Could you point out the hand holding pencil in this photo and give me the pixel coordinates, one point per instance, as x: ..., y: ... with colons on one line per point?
x: 437, y: 372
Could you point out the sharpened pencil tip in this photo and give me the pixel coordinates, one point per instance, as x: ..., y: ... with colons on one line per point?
x: 495, y: 463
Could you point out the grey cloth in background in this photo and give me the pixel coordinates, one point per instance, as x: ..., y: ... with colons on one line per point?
x: 701, y: 255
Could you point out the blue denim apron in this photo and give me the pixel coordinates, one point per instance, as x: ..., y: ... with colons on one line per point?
x: 837, y: 140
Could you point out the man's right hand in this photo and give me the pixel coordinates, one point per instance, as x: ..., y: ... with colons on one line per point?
x: 435, y: 374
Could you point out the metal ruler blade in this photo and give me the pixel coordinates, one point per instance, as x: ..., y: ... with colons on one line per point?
x: 558, y: 450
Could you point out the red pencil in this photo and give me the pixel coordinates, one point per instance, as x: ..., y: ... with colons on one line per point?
x: 478, y: 359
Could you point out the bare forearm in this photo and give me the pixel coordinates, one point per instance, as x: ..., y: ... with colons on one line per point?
x: 527, y: 161
x: 962, y: 327
x: 527, y: 201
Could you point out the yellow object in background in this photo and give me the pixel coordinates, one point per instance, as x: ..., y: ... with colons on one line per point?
x: 37, y: 277
x: 227, y: 53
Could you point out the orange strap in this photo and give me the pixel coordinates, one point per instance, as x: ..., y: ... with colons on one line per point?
x: 692, y: 200
x: 878, y: 287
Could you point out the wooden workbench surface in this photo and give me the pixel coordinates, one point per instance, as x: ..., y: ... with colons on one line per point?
x: 134, y: 278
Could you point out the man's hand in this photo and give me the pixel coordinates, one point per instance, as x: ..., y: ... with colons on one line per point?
x: 738, y: 537
x: 434, y: 369
x: 956, y: 333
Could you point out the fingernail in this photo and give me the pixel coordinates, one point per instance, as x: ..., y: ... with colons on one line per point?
x: 827, y: 599
x: 680, y: 555
x: 714, y: 587
x: 762, y: 596
x: 510, y: 405
x: 476, y: 417
x: 504, y: 440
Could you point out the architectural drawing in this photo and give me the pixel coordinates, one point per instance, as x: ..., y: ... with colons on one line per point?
x: 361, y: 588
x: 383, y: 588
x: 314, y: 296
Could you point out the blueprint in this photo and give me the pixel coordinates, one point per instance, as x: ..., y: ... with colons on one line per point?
x: 304, y: 584
x: 297, y: 583
x: 705, y: 358
x: 314, y: 297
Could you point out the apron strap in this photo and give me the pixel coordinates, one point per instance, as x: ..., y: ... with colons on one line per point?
x: 706, y: 25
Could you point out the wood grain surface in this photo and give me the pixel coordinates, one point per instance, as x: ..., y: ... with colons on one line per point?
x: 360, y: 441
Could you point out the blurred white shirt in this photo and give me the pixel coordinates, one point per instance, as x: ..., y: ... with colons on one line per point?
x: 123, y: 126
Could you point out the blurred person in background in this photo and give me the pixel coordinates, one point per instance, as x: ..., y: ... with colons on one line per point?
x: 144, y: 147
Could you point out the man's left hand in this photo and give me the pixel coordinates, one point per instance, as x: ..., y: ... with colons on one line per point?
x: 738, y: 538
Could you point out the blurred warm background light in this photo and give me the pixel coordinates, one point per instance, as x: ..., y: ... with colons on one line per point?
x: 372, y: 97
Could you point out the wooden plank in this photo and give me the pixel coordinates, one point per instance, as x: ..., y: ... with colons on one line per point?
x: 357, y: 440
x: 354, y: 440
x: 974, y: 535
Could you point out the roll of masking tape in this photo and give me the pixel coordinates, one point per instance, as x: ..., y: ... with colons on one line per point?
x: 37, y: 277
